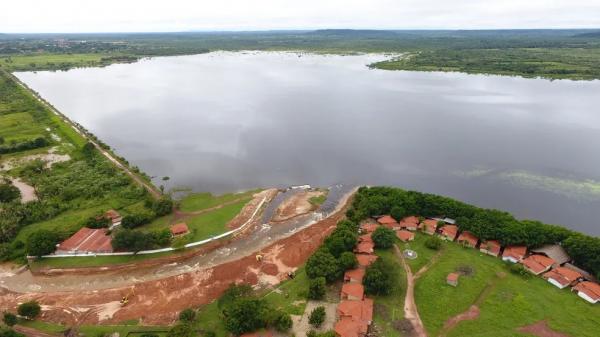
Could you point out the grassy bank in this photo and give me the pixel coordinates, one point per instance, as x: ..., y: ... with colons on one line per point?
x: 201, y: 201
x: 127, y: 329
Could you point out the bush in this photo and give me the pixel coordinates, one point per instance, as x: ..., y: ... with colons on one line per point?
x: 232, y: 294
x: 349, y: 225
x: 347, y: 261
x: 9, y: 319
x: 181, y: 330
x: 162, y: 206
x: 316, y: 288
x: 29, y: 310
x: 97, y: 222
x: 383, y: 237
x: 317, y: 316
x: 9, y: 333
x: 246, y: 315
x: 209, y: 334
x: 433, y: 242
x: 8, y: 192
x: 398, y: 212
x: 187, y: 315
x: 128, y: 240
x: 341, y: 240
x: 518, y: 269
x: 323, y: 264
x: 282, y: 322
x: 379, y: 278
x: 135, y: 220
x: 42, y: 242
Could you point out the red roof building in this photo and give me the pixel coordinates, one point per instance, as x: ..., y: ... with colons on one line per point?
x: 589, y: 291
x: 490, y: 247
x: 365, y: 247
x: 448, y: 232
x: 357, y: 310
x: 467, y: 238
x: 514, y: 254
x: 353, y: 291
x: 113, y: 216
x: 348, y: 327
x: 537, y: 264
x: 365, y: 238
x: 387, y: 220
x: 365, y: 260
x: 562, y: 277
x: 368, y: 227
x: 410, y: 223
x: 452, y: 279
x: 354, y: 275
x: 405, y: 236
x: 429, y: 226
x: 179, y: 229
x: 87, y: 240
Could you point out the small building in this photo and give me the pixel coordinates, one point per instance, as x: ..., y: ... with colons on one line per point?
x: 357, y: 310
x: 365, y: 260
x: 114, y: 217
x: 514, y: 254
x: 353, y: 292
x: 448, y: 221
x: 490, y: 247
x: 354, y: 275
x: 365, y: 248
x: 368, y: 227
x: 86, y: 241
x: 429, y: 226
x: 589, y: 291
x: 555, y: 252
x: 537, y: 264
x: 365, y: 238
x: 410, y: 223
x: 562, y: 277
x: 452, y: 279
x: 405, y: 236
x: 448, y: 232
x: 586, y: 275
x: 467, y: 239
x: 388, y: 222
x: 179, y: 229
x: 349, y: 327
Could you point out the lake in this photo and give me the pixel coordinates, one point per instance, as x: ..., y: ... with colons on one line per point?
x: 229, y: 121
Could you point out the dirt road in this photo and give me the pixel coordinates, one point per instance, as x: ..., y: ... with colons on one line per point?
x: 410, y: 307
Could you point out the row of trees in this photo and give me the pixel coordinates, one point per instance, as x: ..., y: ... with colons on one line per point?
x: 487, y: 224
x: 24, y: 146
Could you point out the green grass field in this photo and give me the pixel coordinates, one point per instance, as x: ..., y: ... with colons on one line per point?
x: 126, y: 329
x: 19, y: 127
x: 52, y: 61
x: 214, y: 223
x: 389, y: 308
x: 200, y: 201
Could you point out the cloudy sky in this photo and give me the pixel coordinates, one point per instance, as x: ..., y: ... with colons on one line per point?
x: 184, y: 15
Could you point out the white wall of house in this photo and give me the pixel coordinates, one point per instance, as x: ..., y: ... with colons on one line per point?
x: 586, y: 297
x: 556, y: 283
x: 509, y: 259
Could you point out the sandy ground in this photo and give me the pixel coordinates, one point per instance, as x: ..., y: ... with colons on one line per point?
x: 301, y: 325
x: 295, y: 205
x: 250, y: 207
x: 160, y: 301
x: 541, y: 329
x: 27, y: 191
x: 49, y: 158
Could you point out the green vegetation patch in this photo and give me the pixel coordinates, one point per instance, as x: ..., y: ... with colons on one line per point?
x: 200, y: 201
x: 389, y: 309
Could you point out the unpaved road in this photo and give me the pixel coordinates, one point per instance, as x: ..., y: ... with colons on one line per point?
x: 410, y: 307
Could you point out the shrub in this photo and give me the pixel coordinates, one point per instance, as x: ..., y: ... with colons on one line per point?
x: 187, y: 315
x: 29, y: 310
x: 433, y: 242
x: 282, y: 322
x: 135, y: 220
x: 317, y: 316
x: 518, y: 269
x: 316, y: 288
x: 323, y: 264
x: 347, y: 261
x: 383, y: 237
x: 181, y: 330
x: 42, y: 242
x: 398, y: 212
x: 162, y: 206
x: 97, y: 222
x: 246, y: 315
x: 379, y: 278
x: 9, y: 319
x: 341, y: 240
x: 8, y: 192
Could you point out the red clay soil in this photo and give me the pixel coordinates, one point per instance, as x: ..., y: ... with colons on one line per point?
x: 295, y: 205
x: 541, y: 329
x: 469, y: 315
x: 160, y: 301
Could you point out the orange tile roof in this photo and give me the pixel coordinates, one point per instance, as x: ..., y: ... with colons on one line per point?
x: 449, y: 231
x: 180, y: 228
x: 369, y: 227
x: 357, y: 310
x: 88, y: 240
x: 430, y: 225
x: 355, y: 290
x: 386, y: 219
x: 468, y: 237
x: 538, y: 263
x: 348, y: 327
x: 113, y: 215
x: 365, y: 238
x: 365, y: 247
x: 410, y: 222
x: 516, y: 252
x: 562, y: 275
x: 491, y: 246
x: 589, y: 288
x: 405, y: 235
x: 365, y: 260
x: 354, y: 274
x: 453, y: 277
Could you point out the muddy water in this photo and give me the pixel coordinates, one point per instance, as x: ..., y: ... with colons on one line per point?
x: 224, y: 122
x: 261, y: 236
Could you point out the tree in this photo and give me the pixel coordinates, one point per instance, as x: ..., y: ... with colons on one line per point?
x: 135, y: 220
x: 282, y: 322
x: 232, y: 294
x: 8, y: 192
x: 162, y: 206
x: 9, y: 319
x: 383, y: 237
x: 379, y: 278
x: 29, y: 310
x: 42, y: 242
x: 246, y: 315
x: 316, y: 288
x: 347, y: 261
x: 341, y: 240
x: 9, y: 333
x: 398, y: 212
x: 99, y: 221
x: 317, y: 316
x: 88, y: 150
x: 323, y: 264
x: 433, y: 242
x: 187, y: 315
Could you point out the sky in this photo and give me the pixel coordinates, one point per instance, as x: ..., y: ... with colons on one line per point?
x: 72, y: 16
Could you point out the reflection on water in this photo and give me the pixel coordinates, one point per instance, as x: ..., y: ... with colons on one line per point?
x: 224, y: 122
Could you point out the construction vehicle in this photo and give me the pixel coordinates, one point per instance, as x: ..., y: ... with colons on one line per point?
x: 125, y: 298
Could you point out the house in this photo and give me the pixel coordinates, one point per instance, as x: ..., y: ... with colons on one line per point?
x: 587, y: 276
x: 114, y: 217
x: 555, y: 252
x: 86, y: 240
x: 349, y: 327
x: 405, y: 236
x: 365, y: 260
x: 448, y: 232
x: 357, y: 310
x: 388, y: 222
x: 562, y: 277
x: 467, y: 239
x: 365, y: 248
x: 514, y: 254
x: 589, y: 291
x: 490, y: 247
x: 410, y: 223
x: 452, y: 279
x: 538, y: 263
x: 429, y: 226
x: 354, y: 275
x: 368, y: 227
x: 353, y: 291
x: 179, y: 229
x: 447, y: 221
x: 365, y: 238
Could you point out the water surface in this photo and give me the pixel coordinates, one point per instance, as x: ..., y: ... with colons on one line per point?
x: 224, y: 122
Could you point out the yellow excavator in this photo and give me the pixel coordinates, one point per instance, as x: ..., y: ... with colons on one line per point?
x: 126, y: 298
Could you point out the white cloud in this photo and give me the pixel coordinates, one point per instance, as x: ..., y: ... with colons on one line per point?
x: 183, y: 15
